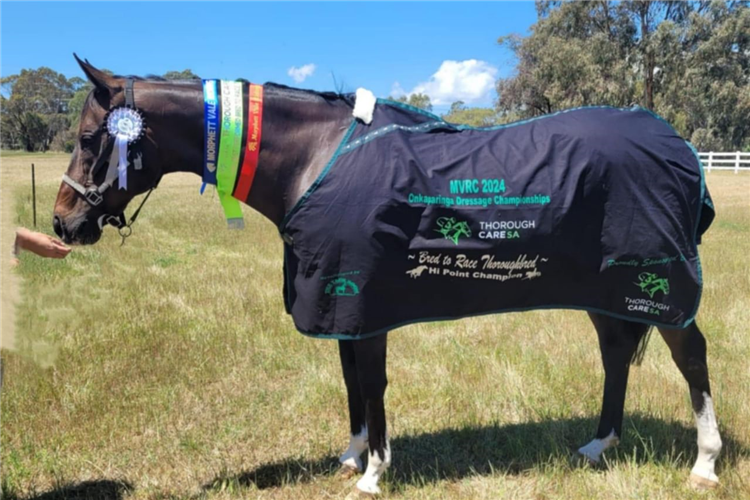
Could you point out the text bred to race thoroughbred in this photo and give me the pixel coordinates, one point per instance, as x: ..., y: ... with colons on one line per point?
x: 387, y: 213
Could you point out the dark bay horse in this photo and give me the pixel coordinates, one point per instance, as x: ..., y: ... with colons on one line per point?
x: 301, y: 130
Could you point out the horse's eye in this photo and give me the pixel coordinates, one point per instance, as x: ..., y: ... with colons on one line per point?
x: 87, y: 141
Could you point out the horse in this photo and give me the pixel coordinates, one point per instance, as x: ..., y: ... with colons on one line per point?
x: 301, y: 130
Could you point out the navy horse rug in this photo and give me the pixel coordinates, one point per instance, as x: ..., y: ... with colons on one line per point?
x: 415, y: 219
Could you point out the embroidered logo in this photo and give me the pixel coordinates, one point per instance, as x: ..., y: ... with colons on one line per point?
x: 417, y: 271
x: 342, y: 287
x: 650, y: 283
x: 452, y: 229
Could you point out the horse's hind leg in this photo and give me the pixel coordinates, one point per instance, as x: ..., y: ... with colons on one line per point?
x: 370, y: 357
x: 618, y: 341
x: 351, y: 460
x: 688, y: 348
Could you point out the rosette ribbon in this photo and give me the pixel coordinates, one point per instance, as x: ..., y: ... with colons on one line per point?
x: 125, y: 125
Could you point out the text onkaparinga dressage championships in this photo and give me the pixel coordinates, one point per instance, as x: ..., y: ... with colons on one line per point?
x: 482, y: 201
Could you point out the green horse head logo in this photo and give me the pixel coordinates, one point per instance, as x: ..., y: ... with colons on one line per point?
x: 650, y: 283
x: 342, y: 287
x: 452, y: 229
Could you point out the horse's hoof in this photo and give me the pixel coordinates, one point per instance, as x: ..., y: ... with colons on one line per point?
x: 587, y: 459
x: 358, y: 494
x: 701, y: 483
x: 347, y: 471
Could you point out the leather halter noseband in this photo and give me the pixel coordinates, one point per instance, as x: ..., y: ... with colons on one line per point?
x: 94, y: 194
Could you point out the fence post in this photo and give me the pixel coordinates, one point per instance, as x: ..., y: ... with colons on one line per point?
x: 737, y: 163
x: 33, y: 192
x: 710, y: 159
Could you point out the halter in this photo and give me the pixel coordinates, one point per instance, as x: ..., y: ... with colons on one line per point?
x: 94, y: 194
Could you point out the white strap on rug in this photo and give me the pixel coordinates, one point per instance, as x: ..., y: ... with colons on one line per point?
x: 364, y: 105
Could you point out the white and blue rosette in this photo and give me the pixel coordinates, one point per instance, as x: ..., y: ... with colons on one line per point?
x: 125, y: 125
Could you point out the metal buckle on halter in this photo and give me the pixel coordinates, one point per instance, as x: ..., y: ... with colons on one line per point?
x: 93, y: 196
x: 115, y: 220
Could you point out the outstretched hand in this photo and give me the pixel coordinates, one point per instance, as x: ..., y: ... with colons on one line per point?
x: 41, y: 244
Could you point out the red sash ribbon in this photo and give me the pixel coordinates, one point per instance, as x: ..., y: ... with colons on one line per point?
x: 252, y: 147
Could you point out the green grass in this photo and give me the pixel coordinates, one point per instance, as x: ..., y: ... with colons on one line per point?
x: 19, y: 154
x: 167, y: 369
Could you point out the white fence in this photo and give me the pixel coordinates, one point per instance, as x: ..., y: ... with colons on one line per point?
x: 726, y: 161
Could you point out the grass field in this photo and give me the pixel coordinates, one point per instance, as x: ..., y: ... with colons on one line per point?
x: 167, y: 369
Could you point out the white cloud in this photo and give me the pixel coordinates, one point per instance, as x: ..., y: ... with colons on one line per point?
x: 396, y: 90
x: 470, y: 81
x: 300, y: 74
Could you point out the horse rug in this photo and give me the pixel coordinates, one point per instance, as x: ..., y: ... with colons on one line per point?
x: 415, y: 219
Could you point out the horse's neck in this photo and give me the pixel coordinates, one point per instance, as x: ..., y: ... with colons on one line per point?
x: 299, y: 137
x: 300, y: 134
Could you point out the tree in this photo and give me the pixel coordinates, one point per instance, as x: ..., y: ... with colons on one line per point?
x: 713, y: 93
x: 688, y: 61
x: 8, y: 136
x: 476, y: 117
x: 36, y: 105
x: 75, y: 105
x: 40, y: 108
x: 181, y: 75
x: 421, y: 101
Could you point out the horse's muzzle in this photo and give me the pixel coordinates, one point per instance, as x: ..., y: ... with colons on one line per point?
x: 79, y: 230
x: 57, y: 225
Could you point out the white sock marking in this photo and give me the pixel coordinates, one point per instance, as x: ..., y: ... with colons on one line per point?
x: 593, y: 451
x: 357, y: 446
x: 375, y: 468
x: 709, y: 441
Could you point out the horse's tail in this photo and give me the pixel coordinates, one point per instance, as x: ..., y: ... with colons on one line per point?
x: 640, y: 351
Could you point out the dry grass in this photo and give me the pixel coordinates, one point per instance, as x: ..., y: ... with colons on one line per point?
x: 167, y: 368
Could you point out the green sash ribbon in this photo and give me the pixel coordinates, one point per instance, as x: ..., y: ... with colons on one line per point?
x: 230, y: 147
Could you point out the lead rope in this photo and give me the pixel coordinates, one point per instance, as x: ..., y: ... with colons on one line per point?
x: 126, y: 230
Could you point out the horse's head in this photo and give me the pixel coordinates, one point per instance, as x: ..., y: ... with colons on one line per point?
x: 91, y: 195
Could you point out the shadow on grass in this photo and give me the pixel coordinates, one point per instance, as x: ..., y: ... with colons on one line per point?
x: 452, y: 454
x: 87, y: 490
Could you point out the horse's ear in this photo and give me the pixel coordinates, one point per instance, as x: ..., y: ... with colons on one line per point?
x: 103, y: 82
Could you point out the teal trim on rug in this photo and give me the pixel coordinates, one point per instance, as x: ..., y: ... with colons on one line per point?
x: 408, y: 107
x: 386, y: 129
x: 549, y: 115
x: 440, y: 123
x: 320, y: 178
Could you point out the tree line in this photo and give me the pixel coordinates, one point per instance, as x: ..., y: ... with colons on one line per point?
x: 43, y: 108
x: 687, y: 61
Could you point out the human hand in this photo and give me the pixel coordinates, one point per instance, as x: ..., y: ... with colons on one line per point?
x: 41, y: 244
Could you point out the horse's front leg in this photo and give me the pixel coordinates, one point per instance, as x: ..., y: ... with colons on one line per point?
x: 618, y: 341
x: 351, y: 460
x: 688, y: 348
x: 370, y: 357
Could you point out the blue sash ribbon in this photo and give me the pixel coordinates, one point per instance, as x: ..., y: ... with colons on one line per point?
x: 211, y: 132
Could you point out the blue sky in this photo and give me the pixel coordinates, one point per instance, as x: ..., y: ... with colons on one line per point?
x: 447, y: 50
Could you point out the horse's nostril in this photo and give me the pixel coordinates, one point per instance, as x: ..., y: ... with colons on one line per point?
x: 57, y: 225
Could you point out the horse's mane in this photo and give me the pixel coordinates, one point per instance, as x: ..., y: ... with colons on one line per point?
x: 311, y: 95
x: 281, y: 89
x: 152, y: 78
